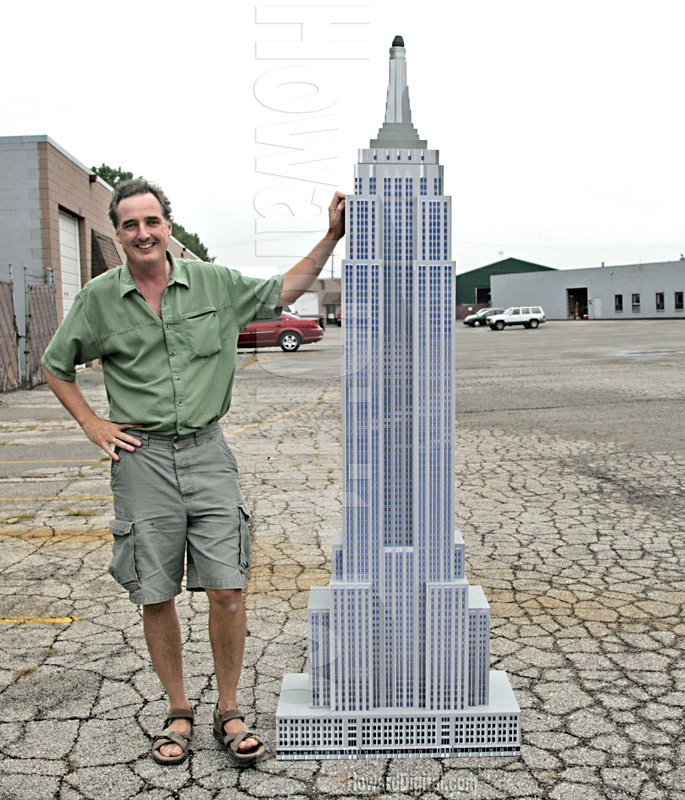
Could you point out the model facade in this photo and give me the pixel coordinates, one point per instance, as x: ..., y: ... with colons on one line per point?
x: 399, y: 641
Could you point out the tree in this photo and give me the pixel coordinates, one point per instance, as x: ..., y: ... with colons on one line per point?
x: 114, y: 175
x: 191, y: 241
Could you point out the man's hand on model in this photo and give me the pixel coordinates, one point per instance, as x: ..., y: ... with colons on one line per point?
x: 108, y: 435
x: 300, y: 277
x: 336, y: 216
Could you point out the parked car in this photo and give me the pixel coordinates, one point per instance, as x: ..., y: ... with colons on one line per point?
x: 287, y: 331
x: 318, y: 317
x: 481, y: 317
x: 528, y: 316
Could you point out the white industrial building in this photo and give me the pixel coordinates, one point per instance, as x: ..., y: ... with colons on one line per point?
x: 633, y: 291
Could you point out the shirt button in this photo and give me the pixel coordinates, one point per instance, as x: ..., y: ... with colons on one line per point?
x: 173, y: 352
x: 178, y: 377
x: 180, y: 402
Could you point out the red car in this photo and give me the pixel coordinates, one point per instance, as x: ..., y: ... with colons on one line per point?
x: 288, y: 332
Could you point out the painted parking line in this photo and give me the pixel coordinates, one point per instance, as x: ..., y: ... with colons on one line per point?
x: 37, y: 620
x: 55, y: 497
x: 57, y: 461
x: 284, y: 414
x: 228, y: 435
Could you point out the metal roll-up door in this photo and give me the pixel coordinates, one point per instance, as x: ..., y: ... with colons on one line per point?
x: 70, y: 259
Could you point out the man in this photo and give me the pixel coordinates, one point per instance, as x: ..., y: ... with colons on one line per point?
x: 166, y: 332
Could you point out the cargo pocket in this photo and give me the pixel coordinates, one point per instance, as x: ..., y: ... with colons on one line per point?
x: 201, y: 331
x: 122, y: 567
x: 245, y: 542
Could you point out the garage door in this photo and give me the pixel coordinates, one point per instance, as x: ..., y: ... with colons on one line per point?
x: 70, y: 259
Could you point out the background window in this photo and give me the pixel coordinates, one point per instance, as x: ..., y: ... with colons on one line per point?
x: 618, y: 302
x: 659, y: 301
x: 678, y: 301
x: 636, y: 302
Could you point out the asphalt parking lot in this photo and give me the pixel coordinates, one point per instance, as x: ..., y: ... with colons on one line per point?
x: 571, y: 457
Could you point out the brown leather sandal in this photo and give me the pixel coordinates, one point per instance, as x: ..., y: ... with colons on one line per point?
x: 231, y: 741
x: 172, y: 737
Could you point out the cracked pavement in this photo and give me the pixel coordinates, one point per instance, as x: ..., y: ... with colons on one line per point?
x: 571, y: 456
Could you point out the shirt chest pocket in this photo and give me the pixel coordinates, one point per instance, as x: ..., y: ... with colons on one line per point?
x: 200, y: 329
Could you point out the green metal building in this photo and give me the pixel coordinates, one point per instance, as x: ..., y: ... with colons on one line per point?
x: 473, y: 288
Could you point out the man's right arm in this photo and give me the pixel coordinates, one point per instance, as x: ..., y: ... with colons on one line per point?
x: 101, y: 432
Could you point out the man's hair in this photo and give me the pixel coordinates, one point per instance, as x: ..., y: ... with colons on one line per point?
x: 134, y: 187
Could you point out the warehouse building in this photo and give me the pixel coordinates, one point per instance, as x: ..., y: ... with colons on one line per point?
x: 632, y: 291
x: 474, y: 286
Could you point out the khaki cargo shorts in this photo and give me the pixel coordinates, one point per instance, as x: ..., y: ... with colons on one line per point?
x: 177, y: 500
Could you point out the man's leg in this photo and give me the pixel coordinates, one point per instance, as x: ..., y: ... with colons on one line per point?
x: 227, y: 636
x: 163, y: 637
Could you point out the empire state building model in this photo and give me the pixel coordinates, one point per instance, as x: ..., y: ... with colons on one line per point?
x: 399, y: 642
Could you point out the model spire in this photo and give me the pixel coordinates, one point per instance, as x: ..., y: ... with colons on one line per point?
x: 397, y: 108
x: 397, y: 130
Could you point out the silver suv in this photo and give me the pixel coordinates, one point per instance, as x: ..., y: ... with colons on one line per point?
x: 528, y: 316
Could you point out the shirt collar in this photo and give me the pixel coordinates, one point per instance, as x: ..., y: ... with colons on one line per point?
x: 178, y: 274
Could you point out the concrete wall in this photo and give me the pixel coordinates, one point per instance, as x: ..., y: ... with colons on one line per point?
x: 20, y: 219
x: 549, y: 289
x: 20, y: 239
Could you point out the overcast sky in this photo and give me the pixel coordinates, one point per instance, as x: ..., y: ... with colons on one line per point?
x: 560, y: 125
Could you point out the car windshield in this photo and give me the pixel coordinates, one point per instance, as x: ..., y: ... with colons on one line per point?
x: 510, y: 310
x: 482, y: 311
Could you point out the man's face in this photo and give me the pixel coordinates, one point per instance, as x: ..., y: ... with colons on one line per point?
x: 143, y: 232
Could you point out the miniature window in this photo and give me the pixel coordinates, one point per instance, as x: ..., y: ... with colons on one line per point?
x: 678, y: 301
x: 636, y: 303
x: 659, y: 301
x: 618, y: 302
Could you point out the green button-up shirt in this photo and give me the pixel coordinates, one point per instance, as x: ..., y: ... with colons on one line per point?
x: 172, y: 375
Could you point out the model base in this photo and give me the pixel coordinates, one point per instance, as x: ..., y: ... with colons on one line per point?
x: 306, y: 732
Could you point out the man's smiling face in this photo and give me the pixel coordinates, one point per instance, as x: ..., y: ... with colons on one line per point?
x: 143, y: 232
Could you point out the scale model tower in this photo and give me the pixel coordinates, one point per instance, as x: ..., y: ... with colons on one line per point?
x: 399, y: 642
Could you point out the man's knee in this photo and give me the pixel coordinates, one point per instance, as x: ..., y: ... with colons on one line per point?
x: 159, y: 609
x: 230, y: 600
